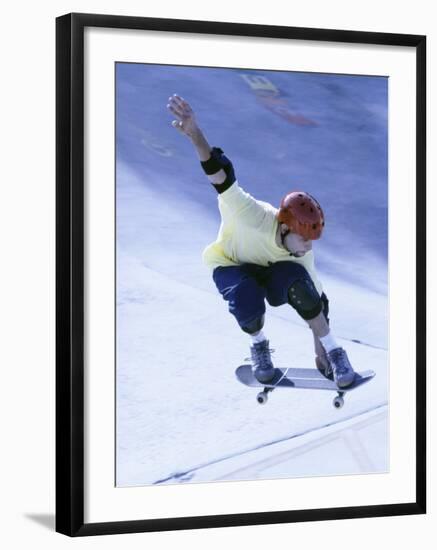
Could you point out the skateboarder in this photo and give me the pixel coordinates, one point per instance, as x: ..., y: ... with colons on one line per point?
x: 263, y: 253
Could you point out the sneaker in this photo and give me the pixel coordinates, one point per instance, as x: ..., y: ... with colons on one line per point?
x: 262, y: 365
x: 342, y: 370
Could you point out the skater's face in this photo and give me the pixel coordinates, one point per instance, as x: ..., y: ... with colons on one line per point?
x: 294, y: 243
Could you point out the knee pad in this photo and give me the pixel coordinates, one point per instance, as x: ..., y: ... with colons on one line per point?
x: 305, y: 299
x: 254, y: 326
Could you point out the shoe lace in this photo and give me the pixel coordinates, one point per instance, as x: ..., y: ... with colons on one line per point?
x: 340, y: 365
x: 262, y: 356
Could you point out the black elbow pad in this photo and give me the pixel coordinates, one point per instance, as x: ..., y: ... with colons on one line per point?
x: 219, y: 161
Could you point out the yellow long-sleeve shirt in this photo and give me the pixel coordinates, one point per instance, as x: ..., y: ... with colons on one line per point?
x: 247, y: 234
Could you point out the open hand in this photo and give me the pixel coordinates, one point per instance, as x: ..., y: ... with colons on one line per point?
x: 186, y: 121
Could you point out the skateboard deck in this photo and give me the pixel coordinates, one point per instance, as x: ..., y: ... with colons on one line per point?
x: 310, y: 379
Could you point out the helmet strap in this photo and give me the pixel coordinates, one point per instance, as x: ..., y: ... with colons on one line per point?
x: 284, y: 234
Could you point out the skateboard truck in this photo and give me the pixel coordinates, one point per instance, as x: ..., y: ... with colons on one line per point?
x: 338, y: 401
x: 263, y: 396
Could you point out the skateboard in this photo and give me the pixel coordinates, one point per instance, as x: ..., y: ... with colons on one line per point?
x: 309, y: 379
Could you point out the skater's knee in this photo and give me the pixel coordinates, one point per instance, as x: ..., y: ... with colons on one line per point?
x: 254, y: 326
x: 246, y: 291
x: 305, y: 299
x: 246, y: 302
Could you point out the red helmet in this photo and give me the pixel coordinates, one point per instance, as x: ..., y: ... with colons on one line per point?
x: 302, y: 214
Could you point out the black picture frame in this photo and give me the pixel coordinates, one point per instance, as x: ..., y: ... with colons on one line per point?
x: 70, y: 489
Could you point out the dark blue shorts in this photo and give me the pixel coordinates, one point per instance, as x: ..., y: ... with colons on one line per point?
x: 246, y: 287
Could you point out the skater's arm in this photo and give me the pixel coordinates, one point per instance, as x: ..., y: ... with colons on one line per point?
x: 216, y: 165
x: 215, y: 173
x: 209, y: 157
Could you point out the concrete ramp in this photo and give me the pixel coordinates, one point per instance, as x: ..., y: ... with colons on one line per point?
x: 348, y: 447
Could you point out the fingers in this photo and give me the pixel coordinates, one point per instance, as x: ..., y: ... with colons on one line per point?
x: 178, y: 125
x: 175, y: 110
x: 178, y: 106
x: 179, y: 100
x: 183, y: 112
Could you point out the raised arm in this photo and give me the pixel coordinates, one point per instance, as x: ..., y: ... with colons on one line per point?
x: 217, y: 167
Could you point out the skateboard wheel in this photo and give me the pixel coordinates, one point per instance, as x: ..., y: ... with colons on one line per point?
x: 261, y: 398
x: 338, y: 402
